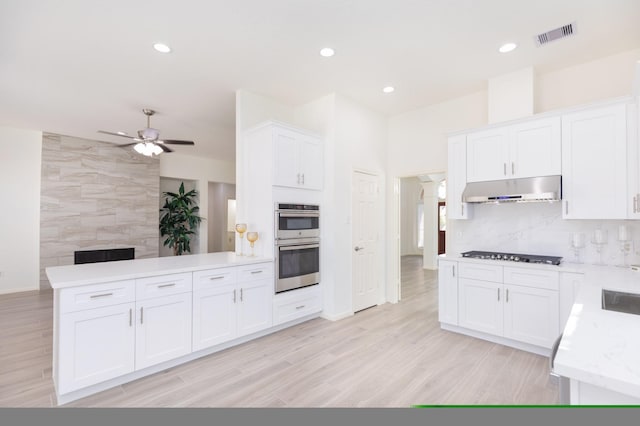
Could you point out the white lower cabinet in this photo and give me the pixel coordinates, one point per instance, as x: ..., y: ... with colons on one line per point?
x: 448, y: 292
x: 163, y: 330
x: 214, y: 316
x: 231, y: 304
x: 294, y: 304
x: 254, y: 308
x: 531, y: 315
x: 520, y: 304
x: 95, y: 345
x: 480, y: 305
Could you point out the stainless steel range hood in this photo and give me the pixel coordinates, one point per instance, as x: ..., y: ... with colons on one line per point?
x: 544, y: 188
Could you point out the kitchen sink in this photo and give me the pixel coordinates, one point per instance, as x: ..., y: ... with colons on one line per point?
x: 618, y: 301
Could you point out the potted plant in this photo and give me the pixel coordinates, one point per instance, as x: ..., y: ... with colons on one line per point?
x: 179, y: 219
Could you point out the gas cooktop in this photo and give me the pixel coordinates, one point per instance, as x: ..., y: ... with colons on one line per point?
x: 513, y: 257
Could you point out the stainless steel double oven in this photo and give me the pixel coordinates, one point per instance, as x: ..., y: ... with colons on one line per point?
x: 297, y: 232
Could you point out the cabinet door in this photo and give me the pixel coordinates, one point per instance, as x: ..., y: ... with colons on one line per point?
x: 535, y: 148
x: 457, y: 178
x: 531, y: 315
x: 95, y: 345
x: 480, y: 305
x: 570, y: 283
x: 487, y: 155
x: 214, y: 316
x: 311, y: 164
x: 286, y: 153
x: 255, y: 306
x: 448, y: 292
x: 594, y: 170
x: 163, y: 329
x: 633, y: 164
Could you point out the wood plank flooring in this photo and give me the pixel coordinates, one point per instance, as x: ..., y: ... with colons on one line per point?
x: 388, y: 356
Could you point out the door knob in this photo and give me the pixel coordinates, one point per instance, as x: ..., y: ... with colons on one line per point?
x: 358, y: 248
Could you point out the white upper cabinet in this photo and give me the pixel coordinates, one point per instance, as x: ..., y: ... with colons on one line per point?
x: 633, y: 198
x: 535, y: 148
x: 297, y: 160
x: 594, y: 163
x: 487, y: 154
x: 527, y: 149
x: 457, y: 178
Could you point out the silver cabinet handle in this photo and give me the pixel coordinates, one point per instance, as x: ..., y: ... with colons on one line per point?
x: 241, y: 295
x: 507, y: 295
x: 453, y: 271
x: 462, y: 209
x: 513, y: 168
x: 358, y: 248
x: 303, y: 178
x: 234, y: 296
x: 635, y: 204
x: 219, y: 277
x: 298, y: 175
x: 299, y: 307
x: 504, y: 168
x: 256, y: 272
x: 130, y: 317
x: 566, y: 207
x: 141, y: 315
x: 167, y: 285
x: 498, y: 295
x: 96, y: 296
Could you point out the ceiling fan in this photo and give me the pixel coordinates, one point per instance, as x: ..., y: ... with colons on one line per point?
x: 147, y: 142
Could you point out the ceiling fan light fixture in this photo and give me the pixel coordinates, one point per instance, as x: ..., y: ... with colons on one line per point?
x: 147, y: 148
x: 162, y: 48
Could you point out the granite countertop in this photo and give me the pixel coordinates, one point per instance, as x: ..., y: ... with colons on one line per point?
x: 94, y: 273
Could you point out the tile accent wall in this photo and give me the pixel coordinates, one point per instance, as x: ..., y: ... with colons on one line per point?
x: 95, y: 195
x: 537, y: 228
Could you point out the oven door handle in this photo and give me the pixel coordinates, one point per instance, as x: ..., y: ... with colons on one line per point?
x: 298, y: 214
x: 290, y: 248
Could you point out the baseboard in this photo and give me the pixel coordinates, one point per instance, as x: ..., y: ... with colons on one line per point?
x: 17, y: 290
x: 497, y: 339
x: 336, y: 317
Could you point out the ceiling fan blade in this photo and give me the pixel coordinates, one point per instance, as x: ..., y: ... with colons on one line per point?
x: 115, y: 134
x: 128, y: 144
x: 177, y: 142
x: 165, y: 148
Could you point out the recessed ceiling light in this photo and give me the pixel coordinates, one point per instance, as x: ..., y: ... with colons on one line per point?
x: 327, y: 52
x: 162, y: 48
x: 122, y: 133
x: 388, y: 89
x: 507, y: 47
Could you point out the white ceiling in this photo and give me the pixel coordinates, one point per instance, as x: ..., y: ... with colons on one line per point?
x: 77, y: 66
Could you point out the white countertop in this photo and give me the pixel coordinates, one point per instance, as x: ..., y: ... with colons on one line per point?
x: 93, y: 273
x: 602, y: 347
x: 563, y: 267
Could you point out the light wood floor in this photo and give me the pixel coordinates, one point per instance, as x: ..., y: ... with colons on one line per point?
x: 388, y: 356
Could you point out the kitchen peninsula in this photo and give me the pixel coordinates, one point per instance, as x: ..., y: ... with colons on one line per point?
x: 115, y: 322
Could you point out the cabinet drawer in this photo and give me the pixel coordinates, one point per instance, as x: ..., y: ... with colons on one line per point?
x: 532, y: 277
x: 213, y: 278
x: 258, y: 271
x: 296, y: 304
x: 476, y: 271
x: 163, y: 285
x: 96, y: 295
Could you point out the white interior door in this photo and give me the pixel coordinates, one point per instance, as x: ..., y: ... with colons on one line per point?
x: 365, y: 240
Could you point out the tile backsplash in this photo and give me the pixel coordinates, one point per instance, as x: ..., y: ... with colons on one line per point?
x: 538, y: 228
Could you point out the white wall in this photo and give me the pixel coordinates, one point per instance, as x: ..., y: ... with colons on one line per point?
x: 607, y: 77
x: 409, y: 198
x: 20, y: 212
x: 220, y: 239
x: 202, y: 171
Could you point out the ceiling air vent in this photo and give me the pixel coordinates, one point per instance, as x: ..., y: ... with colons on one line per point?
x: 556, y: 34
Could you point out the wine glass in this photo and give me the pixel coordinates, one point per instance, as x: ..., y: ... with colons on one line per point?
x: 252, y: 237
x: 241, y: 228
x: 577, y: 243
x: 599, y: 239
